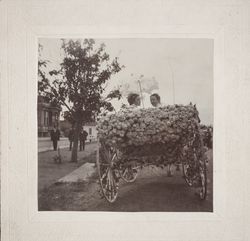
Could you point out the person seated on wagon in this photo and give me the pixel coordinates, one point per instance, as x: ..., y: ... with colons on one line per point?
x: 155, y: 100
x: 134, y: 100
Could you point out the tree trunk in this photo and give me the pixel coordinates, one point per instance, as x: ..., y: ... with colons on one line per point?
x: 75, y: 143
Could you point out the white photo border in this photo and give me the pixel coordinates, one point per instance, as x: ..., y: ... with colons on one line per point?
x: 21, y: 219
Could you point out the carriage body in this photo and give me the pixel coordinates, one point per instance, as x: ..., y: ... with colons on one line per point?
x: 127, y: 141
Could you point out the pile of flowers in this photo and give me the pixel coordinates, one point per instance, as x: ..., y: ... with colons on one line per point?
x: 149, y: 130
x: 207, y: 135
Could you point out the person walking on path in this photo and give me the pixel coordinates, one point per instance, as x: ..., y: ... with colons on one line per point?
x: 83, y: 137
x: 71, y: 138
x: 55, y: 137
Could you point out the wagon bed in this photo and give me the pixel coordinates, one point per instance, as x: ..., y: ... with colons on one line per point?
x: 116, y: 161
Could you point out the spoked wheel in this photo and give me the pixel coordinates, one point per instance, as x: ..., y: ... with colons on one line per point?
x: 109, y: 181
x: 203, y: 181
x: 129, y: 174
x: 202, y: 173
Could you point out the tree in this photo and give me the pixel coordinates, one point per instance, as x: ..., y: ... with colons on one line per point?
x: 67, y: 116
x: 81, y: 81
x: 42, y: 79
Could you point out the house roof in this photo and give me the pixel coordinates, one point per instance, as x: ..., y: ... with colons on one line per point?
x: 90, y: 124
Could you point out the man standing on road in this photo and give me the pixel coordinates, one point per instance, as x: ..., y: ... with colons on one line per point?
x: 71, y: 137
x: 55, y: 136
x: 83, y: 137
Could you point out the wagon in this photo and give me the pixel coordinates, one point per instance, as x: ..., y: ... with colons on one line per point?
x: 115, y: 163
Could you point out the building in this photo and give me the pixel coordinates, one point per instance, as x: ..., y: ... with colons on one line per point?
x: 47, y: 116
x: 90, y: 127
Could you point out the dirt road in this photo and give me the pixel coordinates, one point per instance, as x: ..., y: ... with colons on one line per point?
x: 153, y: 190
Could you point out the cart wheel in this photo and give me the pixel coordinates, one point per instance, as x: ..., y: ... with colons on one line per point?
x: 107, y: 173
x: 188, y: 174
x: 202, y: 175
x: 203, y: 181
x: 129, y: 174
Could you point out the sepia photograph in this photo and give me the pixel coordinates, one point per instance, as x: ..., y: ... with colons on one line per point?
x: 125, y: 120
x: 125, y: 124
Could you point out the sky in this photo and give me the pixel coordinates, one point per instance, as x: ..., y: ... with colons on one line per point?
x: 182, y: 69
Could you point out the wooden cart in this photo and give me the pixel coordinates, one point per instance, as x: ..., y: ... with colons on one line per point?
x: 114, y: 164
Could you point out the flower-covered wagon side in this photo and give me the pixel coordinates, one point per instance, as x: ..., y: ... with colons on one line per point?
x: 207, y: 135
x: 133, y: 138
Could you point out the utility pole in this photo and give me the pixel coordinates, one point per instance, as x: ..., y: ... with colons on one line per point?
x: 139, y: 82
x: 140, y: 89
x: 172, y: 75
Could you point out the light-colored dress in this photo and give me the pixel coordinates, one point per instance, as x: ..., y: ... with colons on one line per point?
x: 158, y: 105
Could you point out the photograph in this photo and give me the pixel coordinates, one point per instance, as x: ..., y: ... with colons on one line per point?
x: 125, y: 120
x: 125, y: 124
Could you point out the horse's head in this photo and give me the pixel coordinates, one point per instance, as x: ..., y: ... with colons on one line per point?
x: 196, y: 114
